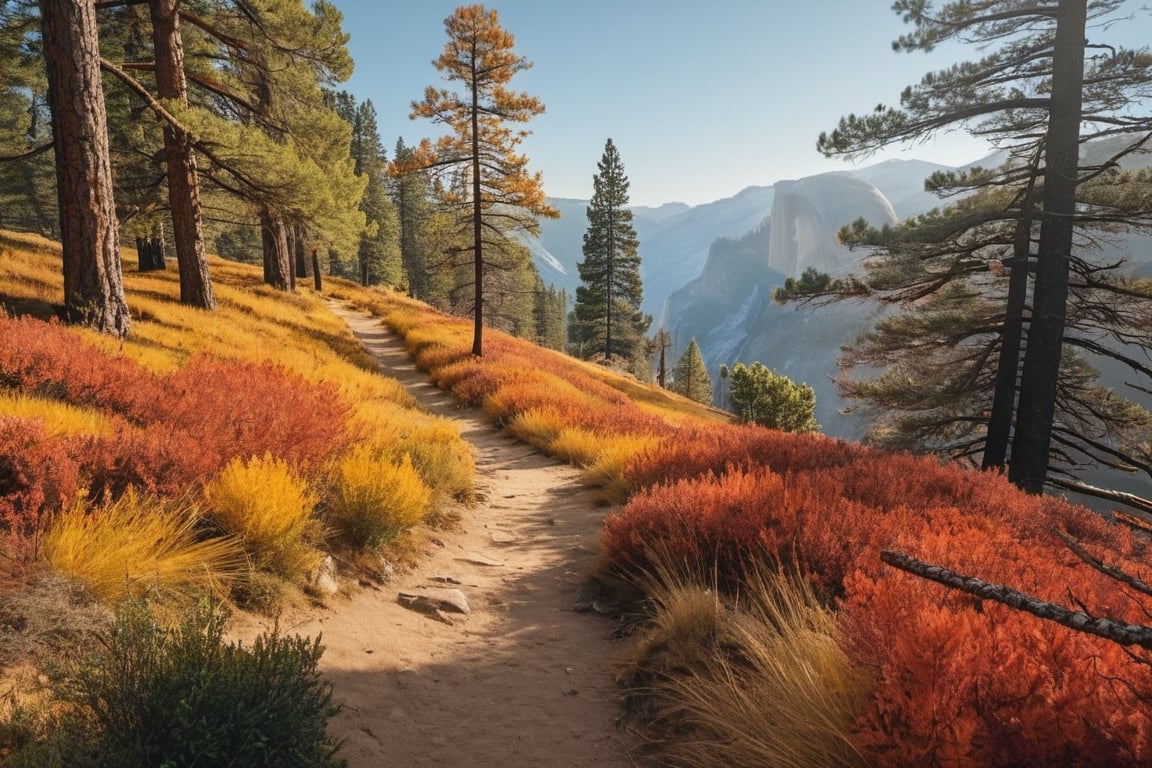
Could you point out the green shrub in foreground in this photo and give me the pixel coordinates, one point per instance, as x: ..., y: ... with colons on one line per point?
x: 184, y: 697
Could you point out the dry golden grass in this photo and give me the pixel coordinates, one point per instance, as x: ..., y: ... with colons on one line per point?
x: 758, y: 680
x: 139, y: 546
x: 59, y: 418
x: 268, y: 508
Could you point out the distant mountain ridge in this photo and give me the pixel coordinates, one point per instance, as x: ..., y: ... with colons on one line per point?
x: 709, y: 270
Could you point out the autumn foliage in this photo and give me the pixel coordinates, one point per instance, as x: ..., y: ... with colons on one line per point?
x: 953, y: 681
x: 234, y: 418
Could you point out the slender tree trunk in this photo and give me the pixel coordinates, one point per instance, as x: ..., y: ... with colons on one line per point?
x: 290, y: 250
x: 301, y: 252
x: 1038, y: 382
x: 93, y: 282
x: 477, y: 227
x: 317, y: 280
x: 183, y: 180
x: 277, y: 267
x: 1008, y: 366
x: 610, y: 277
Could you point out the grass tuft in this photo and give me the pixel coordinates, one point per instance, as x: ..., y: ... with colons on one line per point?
x: 139, y: 546
x: 759, y: 678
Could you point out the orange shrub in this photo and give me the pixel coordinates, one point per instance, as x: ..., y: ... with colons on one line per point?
x: 965, y: 682
x: 38, y: 476
x: 244, y: 409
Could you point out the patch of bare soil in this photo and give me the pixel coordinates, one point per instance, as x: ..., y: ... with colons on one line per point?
x: 525, y: 677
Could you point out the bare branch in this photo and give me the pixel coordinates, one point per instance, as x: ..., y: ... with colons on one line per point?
x: 1119, y: 632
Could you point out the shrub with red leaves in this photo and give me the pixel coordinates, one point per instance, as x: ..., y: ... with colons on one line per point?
x: 38, y: 475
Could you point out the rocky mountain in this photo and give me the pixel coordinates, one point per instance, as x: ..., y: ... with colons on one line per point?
x: 709, y: 270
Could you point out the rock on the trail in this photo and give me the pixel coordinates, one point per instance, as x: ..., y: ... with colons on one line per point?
x: 475, y: 558
x: 436, y: 599
x: 324, y: 580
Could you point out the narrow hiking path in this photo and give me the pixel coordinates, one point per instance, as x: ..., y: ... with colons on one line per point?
x: 523, y: 679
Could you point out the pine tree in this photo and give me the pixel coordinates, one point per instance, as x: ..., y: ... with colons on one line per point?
x: 493, y: 193
x: 690, y: 376
x: 607, y: 316
x: 411, y: 193
x: 378, y: 252
x: 93, y: 284
x: 1039, y: 98
x: 27, y: 175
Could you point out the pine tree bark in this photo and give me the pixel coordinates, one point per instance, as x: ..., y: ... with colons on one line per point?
x: 93, y: 281
x: 317, y: 280
x: 183, y: 179
x: 300, y: 252
x: 1011, y: 336
x: 1041, y: 369
x: 277, y: 266
x: 477, y: 227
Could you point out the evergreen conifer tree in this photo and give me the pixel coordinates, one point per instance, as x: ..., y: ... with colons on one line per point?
x: 607, y: 319
x: 1036, y: 95
x: 690, y: 377
x: 490, y: 188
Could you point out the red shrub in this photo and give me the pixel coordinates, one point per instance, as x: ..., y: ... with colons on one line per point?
x: 964, y: 682
x: 245, y: 409
x: 699, y: 450
x: 49, y: 359
x: 38, y: 475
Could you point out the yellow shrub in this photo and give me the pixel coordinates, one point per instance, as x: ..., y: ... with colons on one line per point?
x: 139, y: 546
x: 444, y: 460
x: 371, y: 499
x: 607, y: 471
x: 265, y: 505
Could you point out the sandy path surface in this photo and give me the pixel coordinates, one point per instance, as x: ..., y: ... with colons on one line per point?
x: 524, y: 679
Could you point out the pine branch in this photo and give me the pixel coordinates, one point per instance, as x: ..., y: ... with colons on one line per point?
x: 29, y: 154
x: 1119, y: 632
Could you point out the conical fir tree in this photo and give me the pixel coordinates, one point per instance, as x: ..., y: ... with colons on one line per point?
x: 691, y: 378
x: 607, y: 316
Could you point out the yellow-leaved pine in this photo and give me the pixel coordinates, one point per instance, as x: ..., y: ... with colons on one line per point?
x: 487, y: 183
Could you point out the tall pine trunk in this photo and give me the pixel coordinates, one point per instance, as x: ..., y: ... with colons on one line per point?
x: 1038, y: 382
x: 1008, y: 366
x: 93, y: 282
x: 277, y: 265
x: 477, y: 228
x: 183, y: 180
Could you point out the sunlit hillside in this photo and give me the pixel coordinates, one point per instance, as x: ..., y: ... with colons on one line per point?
x: 924, y: 676
x: 237, y: 439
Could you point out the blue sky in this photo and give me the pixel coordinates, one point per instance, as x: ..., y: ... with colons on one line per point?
x: 702, y: 99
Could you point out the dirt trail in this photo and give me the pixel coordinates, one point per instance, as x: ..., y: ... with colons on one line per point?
x: 523, y: 680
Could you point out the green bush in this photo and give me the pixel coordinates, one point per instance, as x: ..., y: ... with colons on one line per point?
x: 765, y: 397
x: 184, y: 697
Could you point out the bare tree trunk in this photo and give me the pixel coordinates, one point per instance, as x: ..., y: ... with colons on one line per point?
x: 1032, y: 441
x: 1120, y: 632
x: 93, y: 282
x: 318, y: 281
x: 277, y: 267
x: 183, y: 180
x: 1011, y: 337
x: 477, y: 229
x: 300, y: 251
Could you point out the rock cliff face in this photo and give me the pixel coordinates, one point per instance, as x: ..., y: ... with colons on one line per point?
x: 807, y: 214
